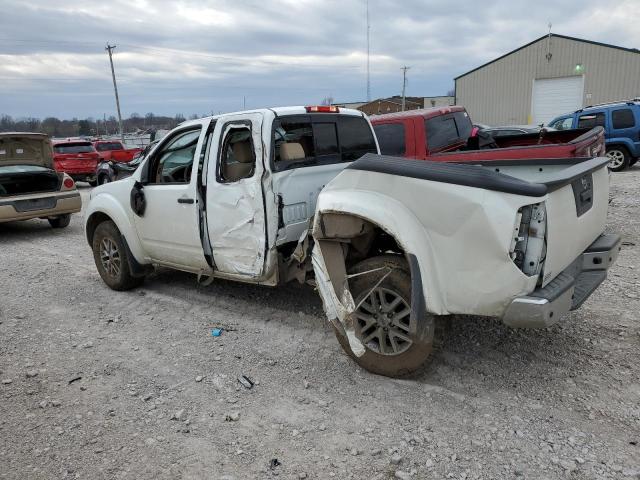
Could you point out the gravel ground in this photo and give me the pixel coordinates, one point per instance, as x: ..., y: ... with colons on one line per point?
x: 97, y: 384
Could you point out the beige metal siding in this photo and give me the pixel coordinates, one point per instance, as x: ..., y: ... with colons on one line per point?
x: 500, y: 93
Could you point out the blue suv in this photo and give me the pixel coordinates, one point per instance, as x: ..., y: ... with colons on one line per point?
x: 621, y: 123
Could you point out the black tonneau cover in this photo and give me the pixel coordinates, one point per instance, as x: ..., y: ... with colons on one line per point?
x: 458, y: 174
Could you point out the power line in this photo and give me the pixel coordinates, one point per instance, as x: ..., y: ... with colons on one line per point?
x: 162, y: 51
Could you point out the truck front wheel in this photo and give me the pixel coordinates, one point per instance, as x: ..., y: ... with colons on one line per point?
x: 111, y: 258
x: 395, y: 343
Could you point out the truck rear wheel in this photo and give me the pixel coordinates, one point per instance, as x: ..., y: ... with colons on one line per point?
x: 395, y: 344
x: 618, y: 158
x: 111, y: 258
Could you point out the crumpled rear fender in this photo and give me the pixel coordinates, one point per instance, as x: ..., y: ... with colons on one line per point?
x: 401, y: 224
x: 459, y: 236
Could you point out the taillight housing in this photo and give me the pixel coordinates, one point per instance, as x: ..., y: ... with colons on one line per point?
x: 528, y: 241
x: 68, y: 183
x: 322, y: 109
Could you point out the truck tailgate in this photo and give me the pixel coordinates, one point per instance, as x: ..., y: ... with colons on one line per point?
x: 577, y: 203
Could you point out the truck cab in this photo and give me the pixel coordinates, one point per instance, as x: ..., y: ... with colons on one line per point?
x: 225, y: 196
x: 621, y: 123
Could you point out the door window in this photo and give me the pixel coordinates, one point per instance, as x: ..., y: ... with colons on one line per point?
x: 590, y: 120
x: 623, y: 119
x: 174, y: 161
x: 237, y: 157
x: 391, y: 138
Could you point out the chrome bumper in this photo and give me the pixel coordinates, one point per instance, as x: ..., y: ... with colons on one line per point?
x: 545, y: 306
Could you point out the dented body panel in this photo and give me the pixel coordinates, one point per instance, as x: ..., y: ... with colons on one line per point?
x: 234, y: 212
x: 465, y: 236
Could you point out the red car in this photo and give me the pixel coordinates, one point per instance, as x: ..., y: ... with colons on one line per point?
x: 76, y: 158
x: 114, y: 150
x: 447, y: 135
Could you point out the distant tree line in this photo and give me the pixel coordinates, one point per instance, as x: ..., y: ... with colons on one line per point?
x: 90, y: 126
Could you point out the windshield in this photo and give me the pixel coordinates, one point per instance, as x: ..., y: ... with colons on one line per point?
x: 108, y: 146
x: 84, y: 147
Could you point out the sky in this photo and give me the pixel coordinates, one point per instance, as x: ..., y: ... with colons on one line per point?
x: 203, y: 56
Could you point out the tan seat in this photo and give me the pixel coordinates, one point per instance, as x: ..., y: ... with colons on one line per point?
x: 244, y: 162
x: 291, y: 151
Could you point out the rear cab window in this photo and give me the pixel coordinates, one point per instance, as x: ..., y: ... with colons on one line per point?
x: 108, y: 146
x: 447, y: 130
x: 319, y: 139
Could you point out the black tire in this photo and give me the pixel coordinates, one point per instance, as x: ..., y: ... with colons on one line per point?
x: 397, y: 282
x: 115, y: 269
x: 619, y: 158
x: 633, y: 161
x: 93, y: 183
x: 60, y: 221
x: 103, y: 179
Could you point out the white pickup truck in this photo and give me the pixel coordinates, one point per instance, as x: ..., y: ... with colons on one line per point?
x: 273, y: 195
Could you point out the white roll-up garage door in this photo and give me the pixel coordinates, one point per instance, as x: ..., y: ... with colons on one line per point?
x: 555, y: 96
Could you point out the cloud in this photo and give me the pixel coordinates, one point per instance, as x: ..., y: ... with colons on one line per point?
x: 194, y: 56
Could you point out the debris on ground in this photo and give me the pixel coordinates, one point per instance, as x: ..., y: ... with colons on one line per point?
x: 216, y: 332
x: 245, y: 381
x: 232, y: 417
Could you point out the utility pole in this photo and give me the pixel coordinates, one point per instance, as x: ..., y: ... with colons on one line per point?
x: 368, y: 57
x: 404, y: 85
x: 109, y: 49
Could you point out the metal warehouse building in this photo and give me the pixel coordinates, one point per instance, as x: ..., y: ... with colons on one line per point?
x: 552, y: 75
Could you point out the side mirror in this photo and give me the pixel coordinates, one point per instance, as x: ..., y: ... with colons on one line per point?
x: 137, y: 199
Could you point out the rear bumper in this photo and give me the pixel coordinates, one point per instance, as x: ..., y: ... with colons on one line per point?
x: 545, y: 306
x: 37, y: 206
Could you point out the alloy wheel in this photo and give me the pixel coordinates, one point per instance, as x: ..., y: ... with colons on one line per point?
x: 616, y: 158
x: 383, y: 322
x: 110, y: 257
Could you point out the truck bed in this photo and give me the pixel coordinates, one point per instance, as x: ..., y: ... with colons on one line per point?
x: 560, y: 144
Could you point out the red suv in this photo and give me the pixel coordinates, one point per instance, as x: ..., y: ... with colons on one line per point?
x: 76, y: 158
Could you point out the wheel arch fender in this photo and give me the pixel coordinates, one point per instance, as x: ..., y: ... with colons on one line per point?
x: 105, y: 207
x: 621, y: 142
x: 399, y: 222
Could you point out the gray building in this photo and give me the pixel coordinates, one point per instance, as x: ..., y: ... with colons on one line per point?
x: 438, y: 101
x: 550, y: 76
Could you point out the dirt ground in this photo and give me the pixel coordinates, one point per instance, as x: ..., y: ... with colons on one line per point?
x: 96, y: 384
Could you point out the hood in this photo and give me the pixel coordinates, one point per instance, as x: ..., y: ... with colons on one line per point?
x: 18, y: 148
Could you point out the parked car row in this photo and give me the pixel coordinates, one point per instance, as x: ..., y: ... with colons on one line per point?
x: 621, y: 124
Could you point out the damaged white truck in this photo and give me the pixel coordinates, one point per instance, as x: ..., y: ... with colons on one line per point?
x: 296, y: 193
